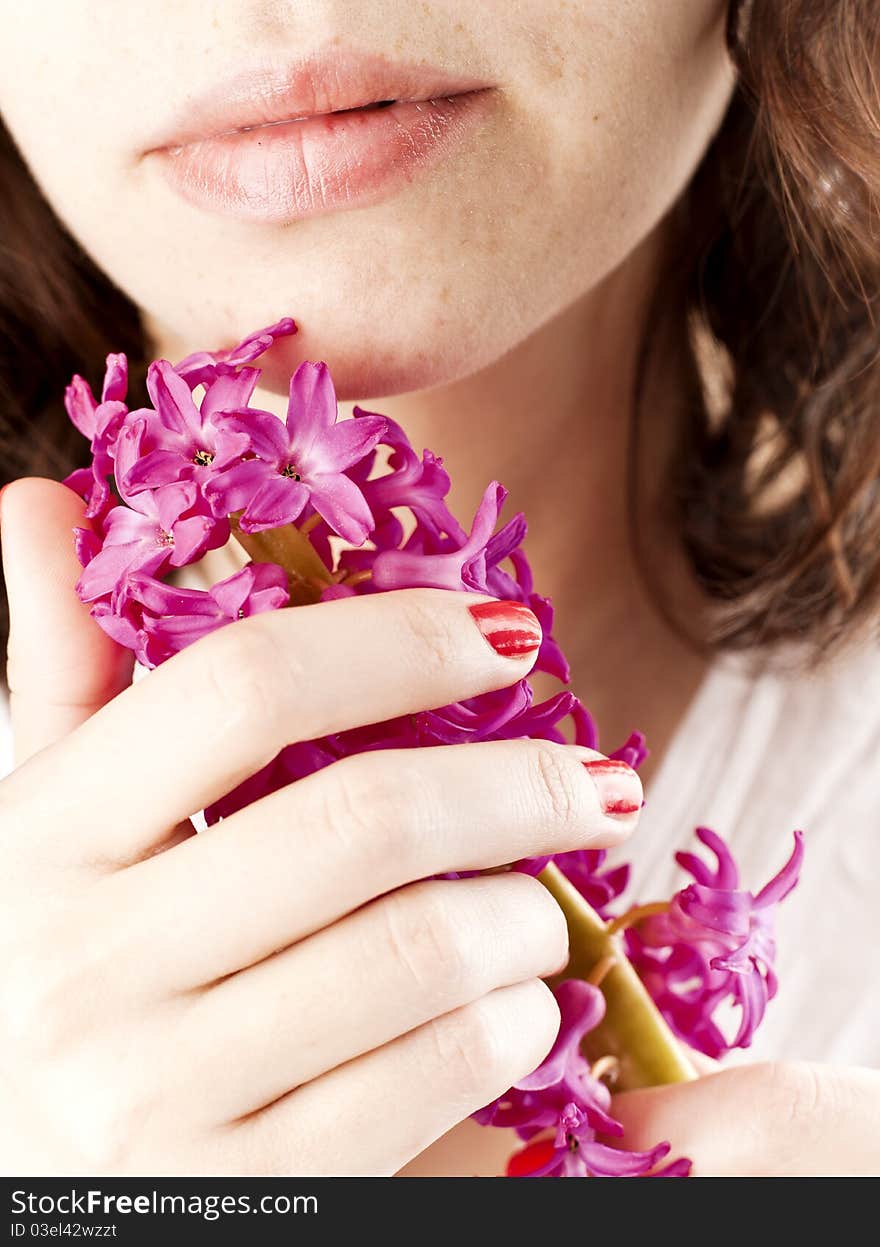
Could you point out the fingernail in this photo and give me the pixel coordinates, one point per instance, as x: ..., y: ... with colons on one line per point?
x: 509, y: 627
x: 619, y: 787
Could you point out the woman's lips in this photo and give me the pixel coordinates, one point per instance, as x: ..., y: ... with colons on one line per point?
x: 330, y: 134
x: 284, y: 171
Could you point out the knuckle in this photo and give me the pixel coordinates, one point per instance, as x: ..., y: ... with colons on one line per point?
x: 793, y: 1096
x: 800, y: 1092
x: 470, y: 1048
x: 434, y: 632
x: 554, y: 786
x: 486, y: 1046
x: 18, y: 677
x: 428, y: 944
x: 53, y: 985
x: 238, y: 671
x: 378, y: 810
x: 35, y: 1006
x: 106, y: 1123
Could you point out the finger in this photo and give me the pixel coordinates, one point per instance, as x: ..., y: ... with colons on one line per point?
x: 61, y: 666
x: 394, y: 1102
x: 316, y: 850
x: 394, y: 965
x: 767, y: 1120
x: 216, y: 713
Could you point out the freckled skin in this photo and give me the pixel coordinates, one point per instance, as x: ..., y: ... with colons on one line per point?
x: 532, y: 210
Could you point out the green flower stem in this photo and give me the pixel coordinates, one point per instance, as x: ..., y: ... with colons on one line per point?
x: 292, y: 550
x: 632, y: 1030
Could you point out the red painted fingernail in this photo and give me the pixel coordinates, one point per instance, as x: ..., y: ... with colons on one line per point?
x: 509, y: 627
x: 619, y: 787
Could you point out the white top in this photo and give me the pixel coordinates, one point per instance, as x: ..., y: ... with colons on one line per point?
x: 755, y: 757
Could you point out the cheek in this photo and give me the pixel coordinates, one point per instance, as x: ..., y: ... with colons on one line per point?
x: 617, y: 105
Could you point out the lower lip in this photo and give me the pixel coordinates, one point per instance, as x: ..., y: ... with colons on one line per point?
x: 281, y: 173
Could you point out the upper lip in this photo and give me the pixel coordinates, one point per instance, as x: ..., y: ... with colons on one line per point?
x: 330, y: 80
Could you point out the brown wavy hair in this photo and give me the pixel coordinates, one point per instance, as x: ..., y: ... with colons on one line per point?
x: 776, y: 480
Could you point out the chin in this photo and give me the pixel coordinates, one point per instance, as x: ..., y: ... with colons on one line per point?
x: 371, y: 367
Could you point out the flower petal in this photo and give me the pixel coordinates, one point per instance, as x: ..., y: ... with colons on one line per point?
x: 536, y: 1160
x: 164, y: 599
x: 107, y: 571
x: 339, y: 501
x: 157, y: 467
x: 229, y: 393
x: 256, y: 588
x: 115, y: 378
x: 172, y: 500
x: 80, y: 405
x: 346, y: 443
x: 192, y: 537
x: 311, y: 409
x: 266, y: 434
x: 174, y: 633
x: 232, y: 489
x: 780, y: 886
x: 172, y: 399
x: 203, y: 367
x: 582, y: 1007
x: 611, y: 1162
x: 279, y: 500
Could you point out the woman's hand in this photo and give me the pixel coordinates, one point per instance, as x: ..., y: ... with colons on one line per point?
x: 791, y: 1119
x: 279, y: 994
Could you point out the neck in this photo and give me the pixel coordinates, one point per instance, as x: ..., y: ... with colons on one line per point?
x: 552, y: 420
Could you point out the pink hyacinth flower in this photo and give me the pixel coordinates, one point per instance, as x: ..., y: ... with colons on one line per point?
x: 463, y: 567
x: 100, y: 423
x: 298, y: 461
x: 203, y: 367
x: 173, y: 618
x: 152, y: 531
x: 181, y: 440
x: 715, y: 944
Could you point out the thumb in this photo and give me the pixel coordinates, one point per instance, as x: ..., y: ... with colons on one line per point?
x: 61, y: 667
x: 773, y: 1119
